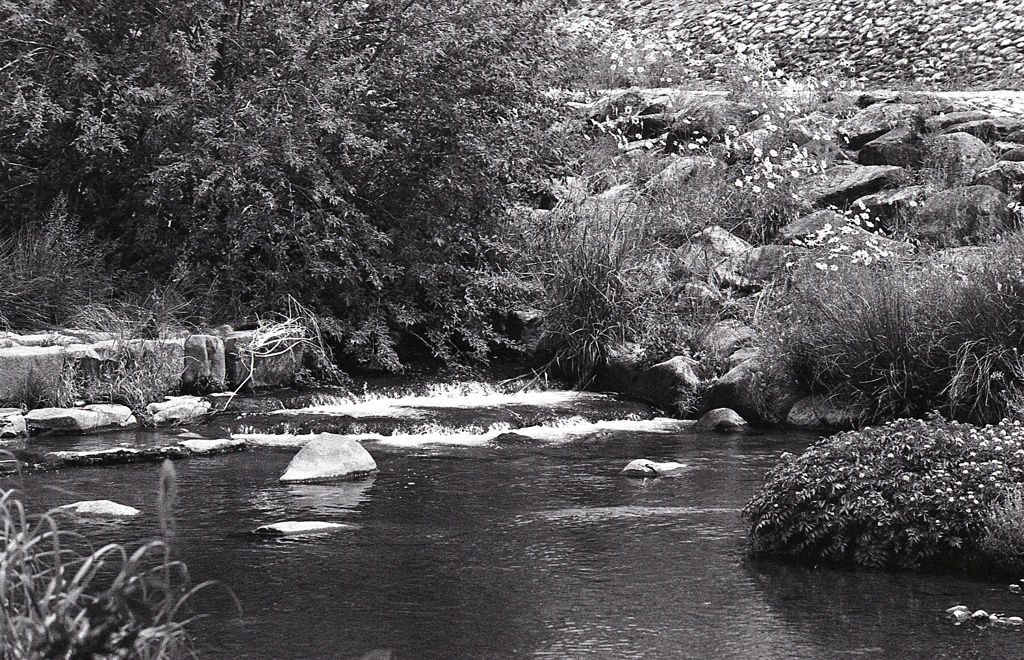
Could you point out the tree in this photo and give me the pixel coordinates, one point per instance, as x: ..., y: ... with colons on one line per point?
x: 354, y: 155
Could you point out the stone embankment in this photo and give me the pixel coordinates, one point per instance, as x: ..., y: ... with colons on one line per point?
x: 53, y: 373
x: 883, y: 41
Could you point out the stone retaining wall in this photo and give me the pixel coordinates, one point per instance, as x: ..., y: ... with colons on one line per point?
x: 960, y: 41
x: 36, y: 369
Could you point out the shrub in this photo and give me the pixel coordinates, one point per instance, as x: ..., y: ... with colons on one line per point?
x: 356, y: 156
x: 907, y: 494
x: 903, y: 338
x: 596, y: 272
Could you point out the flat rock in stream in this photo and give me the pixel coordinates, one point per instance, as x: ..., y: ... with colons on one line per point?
x: 293, y: 527
x: 643, y: 467
x: 101, y: 509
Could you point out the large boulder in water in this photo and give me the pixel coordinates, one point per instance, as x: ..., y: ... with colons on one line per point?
x: 722, y: 420
x: 329, y: 457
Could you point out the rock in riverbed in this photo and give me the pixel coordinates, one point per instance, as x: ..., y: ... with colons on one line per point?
x: 293, y: 527
x: 643, y: 467
x: 101, y: 509
x: 329, y: 457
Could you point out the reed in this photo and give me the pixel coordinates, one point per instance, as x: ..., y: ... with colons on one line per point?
x: 62, y: 600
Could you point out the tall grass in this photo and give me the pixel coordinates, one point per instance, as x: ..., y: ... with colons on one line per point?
x: 62, y: 600
x: 48, y: 270
x: 912, y: 337
x: 601, y: 281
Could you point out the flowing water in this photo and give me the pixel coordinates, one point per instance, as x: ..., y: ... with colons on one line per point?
x: 483, y: 544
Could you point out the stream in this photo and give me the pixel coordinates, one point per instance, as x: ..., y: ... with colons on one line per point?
x: 482, y: 541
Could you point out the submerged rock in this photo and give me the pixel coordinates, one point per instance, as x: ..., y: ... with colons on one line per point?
x: 293, y: 527
x: 329, y: 457
x: 643, y: 467
x: 101, y: 509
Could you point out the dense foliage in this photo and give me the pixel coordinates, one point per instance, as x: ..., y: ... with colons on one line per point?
x: 908, y: 494
x: 907, y: 338
x: 351, y: 154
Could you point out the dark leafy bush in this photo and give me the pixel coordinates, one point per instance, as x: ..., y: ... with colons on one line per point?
x: 907, y: 494
x: 354, y: 156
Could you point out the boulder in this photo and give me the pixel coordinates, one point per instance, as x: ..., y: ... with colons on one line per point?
x: 622, y: 365
x: 329, y: 457
x: 12, y: 424
x: 294, y: 527
x: 90, y: 362
x: 203, y: 447
x: 886, y: 208
x: 942, y: 121
x: 767, y: 262
x: 31, y: 374
x: 164, y: 357
x: 1013, y: 154
x: 958, y: 157
x: 877, y: 120
x: 902, y: 146
x: 723, y: 339
x: 178, y: 410
x: 963, y: 216
x: 825, y: 220
x: 249, y: 366
x: 709, y: 249
x: 101, y: 509
x: 818, y: 412
x: 990, y: 130
x: 723, y: 420
x: 1006, y: 176
x: 205, y: 367
x: 684, y: 169
x: 753, y: 391
x: 710, y: 117
x: 983, y: 129
x: 815, y: 126
x: 643, y: 467
x: 840, y: 185
x: 87, y: 419
x: 752, y: 144
x: 671, y: 385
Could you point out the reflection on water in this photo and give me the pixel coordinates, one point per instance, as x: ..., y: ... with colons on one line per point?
x: 527, y: 550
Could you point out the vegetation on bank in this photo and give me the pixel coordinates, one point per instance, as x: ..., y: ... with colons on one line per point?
x: 909, y: 494
x: 381, y: 165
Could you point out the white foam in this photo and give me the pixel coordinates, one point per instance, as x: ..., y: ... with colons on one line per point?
x: 455, y: 397
x: 568, y: 431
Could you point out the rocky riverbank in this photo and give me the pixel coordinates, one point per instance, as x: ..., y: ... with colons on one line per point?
x: 931, y: 182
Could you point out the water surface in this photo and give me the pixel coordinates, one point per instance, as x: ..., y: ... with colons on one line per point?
x: 527, y: 547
